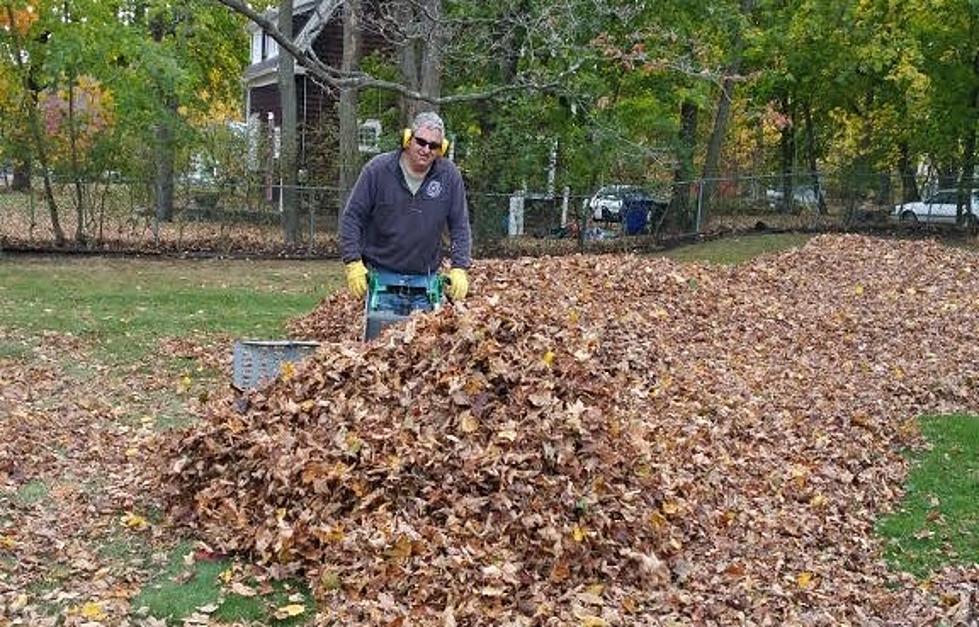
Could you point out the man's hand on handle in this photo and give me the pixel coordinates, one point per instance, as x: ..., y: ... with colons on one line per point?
x: 357, y: 278
x: 458, y: 285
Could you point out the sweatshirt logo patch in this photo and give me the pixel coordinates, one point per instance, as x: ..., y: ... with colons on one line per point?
x: 433, y: 189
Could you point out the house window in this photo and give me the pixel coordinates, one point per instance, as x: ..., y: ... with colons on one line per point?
x: 369, y: 136
x: 257, y: 41
x: 270, y: 48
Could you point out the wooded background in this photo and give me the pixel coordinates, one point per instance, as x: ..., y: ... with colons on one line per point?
x: 870, y: 98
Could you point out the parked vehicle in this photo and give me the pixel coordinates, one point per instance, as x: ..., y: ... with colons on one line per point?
x: 940, y: 207
x: 802, y: 196
x: 611, y: 202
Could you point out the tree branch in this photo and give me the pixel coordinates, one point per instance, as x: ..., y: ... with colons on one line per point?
x: 338, y: 79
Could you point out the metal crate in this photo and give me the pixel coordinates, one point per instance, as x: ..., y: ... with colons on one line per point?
x: 257, y: 362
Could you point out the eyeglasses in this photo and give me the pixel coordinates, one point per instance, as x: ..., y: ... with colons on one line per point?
x: 427, y: 144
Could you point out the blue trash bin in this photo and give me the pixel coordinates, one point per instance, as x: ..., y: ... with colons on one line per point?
x: 635, y: 217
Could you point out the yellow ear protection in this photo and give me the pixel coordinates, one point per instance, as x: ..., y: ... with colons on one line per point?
x: 406, y: 136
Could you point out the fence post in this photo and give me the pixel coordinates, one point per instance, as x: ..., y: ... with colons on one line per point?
x: 30, y: 201
x: 515, y: 223
x: 564, y: 206
x: 312, y: 219
x: 700, y: 205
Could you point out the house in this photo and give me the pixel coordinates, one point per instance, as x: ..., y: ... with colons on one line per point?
x: 263, y: 106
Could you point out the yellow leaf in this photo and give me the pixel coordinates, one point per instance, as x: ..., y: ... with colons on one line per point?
x: 630, y: 605
x: 134, y: 521
x: 593, y: 621
x: 804, y: 579
x: 288, y: 370
x: 670, y: 507
x: 597, y: 589
x: 330, y: 534
x: 858, y: 290
x: 226, y: 575
x: 579, y: 534
x: 19, y: 603
x: 657, y: 520
x: 817, y: 501
x: 92, y: 611
x: 185, y: 383
x: 401, y: 549
x: 288, y: 611
x: 6, y: 542
x: 548, y: 358
x: 468, y: 422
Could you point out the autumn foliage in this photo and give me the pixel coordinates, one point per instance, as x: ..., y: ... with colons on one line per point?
x: 23, y: 17
x: 86, y: 113
x: 605, y: 440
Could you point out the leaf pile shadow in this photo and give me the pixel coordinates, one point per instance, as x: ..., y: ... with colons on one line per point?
x: 606, y: 440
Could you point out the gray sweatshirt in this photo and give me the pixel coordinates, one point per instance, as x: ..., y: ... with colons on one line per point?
x: 385, y: 225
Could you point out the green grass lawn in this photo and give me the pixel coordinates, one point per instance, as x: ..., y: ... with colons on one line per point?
x: 734, y: 250
x: 123, y: 306
x: 938, y: 521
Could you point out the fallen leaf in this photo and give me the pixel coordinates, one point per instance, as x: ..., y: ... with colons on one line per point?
x: 134, y: 521
x: 288, y: 611
x: 804, y: 579
x: 92, y: 611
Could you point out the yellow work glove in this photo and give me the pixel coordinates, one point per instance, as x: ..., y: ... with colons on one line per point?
x: 458, y: 284
x: 357, y: 278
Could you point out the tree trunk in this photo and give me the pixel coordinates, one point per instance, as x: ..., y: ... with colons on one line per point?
x: 163, y: 149
x: 967, y: 183
x: 909, y: 184
x: 787, y: 145
x: 76, y: 175
x: 349, y: 131
x: 421, y: 55
x: 682, y: 175
x: 716, y: 142
x: 721, y: 118
x: 431, y: 68
x: 811, y: 156
x: 287, y: 133
x: 164, y: 157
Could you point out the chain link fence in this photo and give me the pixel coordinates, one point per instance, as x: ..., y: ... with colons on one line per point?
x: 120, y: 215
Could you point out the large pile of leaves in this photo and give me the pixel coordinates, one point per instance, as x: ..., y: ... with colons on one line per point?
x: 606, y: 439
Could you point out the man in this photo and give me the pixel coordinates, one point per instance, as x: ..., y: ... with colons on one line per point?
x: 398, y: 209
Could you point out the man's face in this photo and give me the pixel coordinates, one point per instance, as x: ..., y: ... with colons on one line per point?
x: 423, y: 148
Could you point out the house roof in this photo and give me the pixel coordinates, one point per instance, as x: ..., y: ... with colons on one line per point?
x: 300, y: 6
x: 323, y: 10
x: 268, y: 67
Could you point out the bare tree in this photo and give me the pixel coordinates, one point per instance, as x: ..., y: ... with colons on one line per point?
x: 420, y: 54
x: 436, y: 33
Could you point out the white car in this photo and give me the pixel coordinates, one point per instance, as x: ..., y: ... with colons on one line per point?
x: 940, y: 207
x: 802, y: 196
